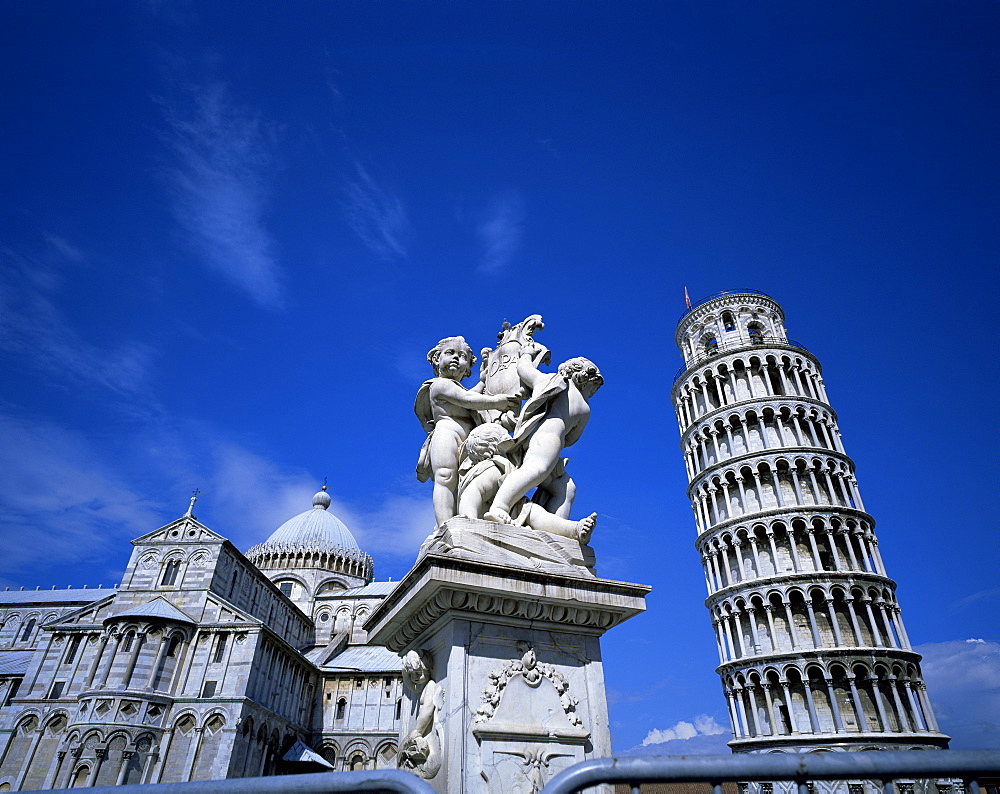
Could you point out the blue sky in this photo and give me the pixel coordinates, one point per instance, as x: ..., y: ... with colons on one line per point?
x: 229, y: 233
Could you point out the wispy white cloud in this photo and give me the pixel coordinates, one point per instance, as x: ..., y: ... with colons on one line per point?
x: 989, y: 592
x: 702, y: 725
x: 34, y: 328
x: 963, y: 681
x: 65, y: 249
x: 63, y: 503
x: 376, y: 215
x: 500, y: 231
x: 395, y: 526
x: 253, y: 495
x: 219, y: 188
x: 70, y: 504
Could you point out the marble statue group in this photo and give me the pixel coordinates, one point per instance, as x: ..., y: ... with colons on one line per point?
x: 489, y: 445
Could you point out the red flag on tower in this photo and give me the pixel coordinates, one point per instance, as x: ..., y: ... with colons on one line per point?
x: 687, y: 298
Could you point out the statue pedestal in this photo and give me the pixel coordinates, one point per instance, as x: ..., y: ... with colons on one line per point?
x: 510, y: 630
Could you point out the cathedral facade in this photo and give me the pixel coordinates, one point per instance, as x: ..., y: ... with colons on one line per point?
x: 204, y: 663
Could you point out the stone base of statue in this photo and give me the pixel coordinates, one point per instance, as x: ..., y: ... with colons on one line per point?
x: 500, y: 631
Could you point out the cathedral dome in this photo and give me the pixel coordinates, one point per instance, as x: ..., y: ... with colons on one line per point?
x: 313, y: 539
x: 318, y: 528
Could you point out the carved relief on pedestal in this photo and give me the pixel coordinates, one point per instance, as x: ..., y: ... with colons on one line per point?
x: 527, y: 725
x: 420, y: 750
x: 532, y: 673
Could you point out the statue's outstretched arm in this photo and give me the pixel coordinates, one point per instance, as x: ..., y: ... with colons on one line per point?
x: 532, y: 355
x: 452, y: 392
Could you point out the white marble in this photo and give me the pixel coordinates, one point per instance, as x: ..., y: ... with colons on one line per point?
x: 514, y: 651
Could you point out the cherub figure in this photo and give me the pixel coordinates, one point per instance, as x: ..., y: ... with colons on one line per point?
x: 553, y: 417
x: 483, y: 469
x: 446, y: 411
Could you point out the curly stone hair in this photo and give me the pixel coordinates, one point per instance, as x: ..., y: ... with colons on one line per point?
x: 434, y: 354
x: 581, y: 369
x: 483, y: 441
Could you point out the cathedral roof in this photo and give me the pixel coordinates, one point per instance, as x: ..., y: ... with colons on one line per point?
x: 367, y: 591
x: 317, y: 528
x: 159, y: 607
x: 365, y: 658
x: 69, y: 596
x: 15, y: 662
x: 313, y: 539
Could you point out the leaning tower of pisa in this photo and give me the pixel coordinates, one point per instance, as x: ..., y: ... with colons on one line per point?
x: 812, y: 649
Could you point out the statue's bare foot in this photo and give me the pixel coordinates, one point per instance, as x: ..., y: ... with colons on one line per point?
x: 498, y: 517
x: 585, y: 528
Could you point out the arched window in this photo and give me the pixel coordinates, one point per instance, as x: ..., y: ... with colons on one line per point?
x: 127, y: 642
x: 399, y: 707
x: 170, y: 573
x: 711, y: 345
x: 727, y: 321
x: 220, y: 647
x: 756, y: 333
x: 29, y: 627
x: 342, y: 708
x: 74, y: 645
x: 172, y: 647
x: 80, y: 777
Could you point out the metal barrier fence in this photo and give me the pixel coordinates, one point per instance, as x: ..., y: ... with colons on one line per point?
x: 976, y: 769
x: 971, y: 767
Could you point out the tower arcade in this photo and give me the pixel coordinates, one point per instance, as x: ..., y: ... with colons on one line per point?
x: 813, y: 653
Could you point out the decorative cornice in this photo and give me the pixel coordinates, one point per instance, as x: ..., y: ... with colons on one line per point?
x: 267, y: 556
x: 805, y: 580
x: 508, y: 606
x: 795, y: 511
x: 439, y: 585
x: 771, y: 456
x: 804, y: 657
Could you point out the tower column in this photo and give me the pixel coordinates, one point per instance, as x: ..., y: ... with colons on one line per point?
x: 831, y: 609
x: 850, y: 547
x: 904, y: 722
x: 772, y: 634
x: 876, y: 635
x: 811, y: 704
x: 901, y: 628
x: 858, y: 636
x: 140, y: 640
x: 752, y: 617
x: 720, y: 641
x: 755, y: 553
x: 879, y: 704
x: 927, y: 710
x: 817, y: 641
x: 834, y: 706
x: 754, y: 710
x: 791, y: 623
x: 858, y: 708
x: 111, y: 660
x: 789, y: 706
